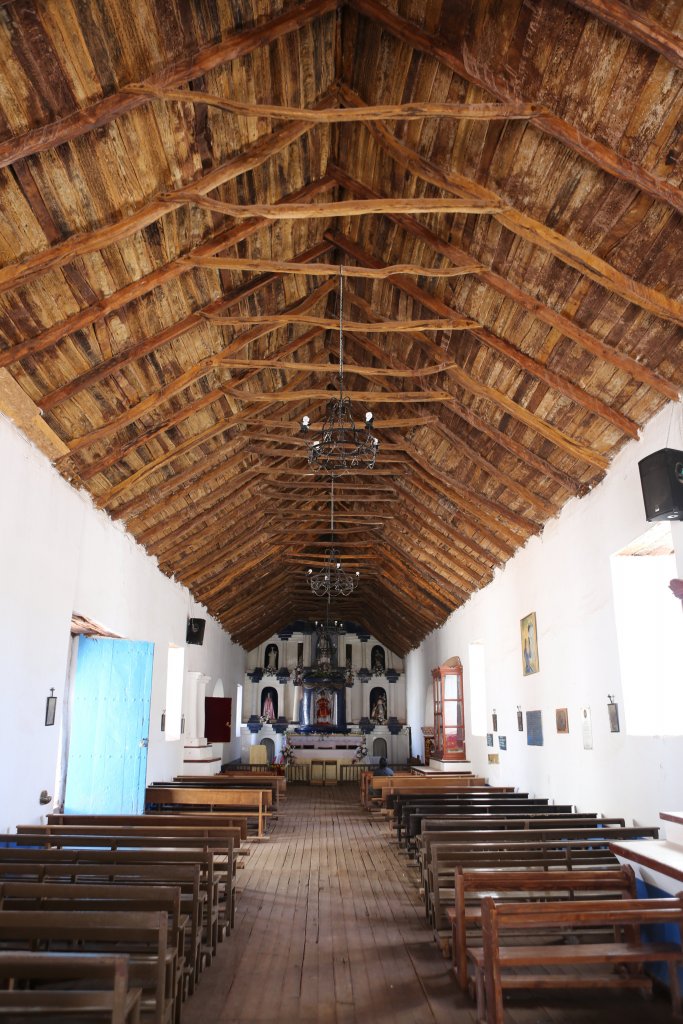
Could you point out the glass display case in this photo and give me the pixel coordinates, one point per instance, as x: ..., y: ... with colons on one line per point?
x: 449, y: 712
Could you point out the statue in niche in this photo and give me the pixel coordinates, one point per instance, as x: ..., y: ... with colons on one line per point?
x: 378, y: 660
x: 378, y: 705
x: 324, y: 654
x: 323, y: 707
x: 269, y: 704
x: 271, y: 659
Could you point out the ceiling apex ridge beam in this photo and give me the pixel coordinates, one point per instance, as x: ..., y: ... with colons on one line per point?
x: 258, y: 152
x: 469, y: 383
x: 638, y: 26
x: 537, y: 307
x: 529, y: 228
x: 339, y: 208
x: 597, y: 153
x: 224, y: 238
x: 107, y: 109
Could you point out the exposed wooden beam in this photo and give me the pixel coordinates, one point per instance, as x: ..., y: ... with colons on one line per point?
x: 195, y: 372
x: 528, y: 228
x: 556, y: 320
x: 327, y: 269
x: 256, y: 154
x: 371, y: 397
x: 222, y: 239
x: 171, y: 333
x: 637, y: 25
x: 341, y: 115
x: 185, y: 69
x: 343, y: 208
x: 528, y: 363
x: 408, y: 326
x: 546, y: 121
x: 470, y: 384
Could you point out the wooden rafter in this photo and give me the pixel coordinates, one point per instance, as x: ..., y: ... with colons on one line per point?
x: 546, y: 121
x: 527, y: 227
x: 185, y: 69
x: 637, y: 25
x: 326, y: 269
x: 565, y: 326
x: 341, y: 208
x: 276, y: 321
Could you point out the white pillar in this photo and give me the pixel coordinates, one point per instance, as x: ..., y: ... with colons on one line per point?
x: 191, y: 729
x: 202, y: 683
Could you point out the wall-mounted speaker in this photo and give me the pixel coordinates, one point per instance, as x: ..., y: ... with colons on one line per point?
x: 195, y: 631
x: 661, y: 478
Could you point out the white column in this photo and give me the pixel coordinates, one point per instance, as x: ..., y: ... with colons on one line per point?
x: 191, y: 728
x: 202, y: 683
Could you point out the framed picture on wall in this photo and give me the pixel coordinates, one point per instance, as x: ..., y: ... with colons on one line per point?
x: 562, y: 719
x: 534, y: 729
x: 503, y: 742
x: 489, y: 739
x: 520, y: 720
x: 529, y: 638
x: 613, y: 712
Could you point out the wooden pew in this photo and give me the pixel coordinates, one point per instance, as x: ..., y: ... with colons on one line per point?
x: 472, y: 884
x: 186, y: 819
x: 65, y: 896
x: 141, y: 934
x: 68, y: 862
x: 242, y: 803
x: 110, y: 994
x: 545, y: 854
x: 247, y: 782
x: 230, y: 833
x: 495, y: 963
x: 500, y: 806
x: 186, y: 877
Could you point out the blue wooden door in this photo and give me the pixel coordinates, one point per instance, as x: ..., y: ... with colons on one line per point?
x: 107, y: 760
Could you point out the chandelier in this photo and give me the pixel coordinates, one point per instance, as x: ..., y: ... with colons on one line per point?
x: 332, y: 580
x: 340, y: 446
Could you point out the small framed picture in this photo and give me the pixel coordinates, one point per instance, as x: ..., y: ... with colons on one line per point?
x: 520, y: 721
x: 489, y: 739
x: 503, y: 742
x: 562, y: 719
x: 613, y: 712
x: 50, y: 709
x: 494, y: 758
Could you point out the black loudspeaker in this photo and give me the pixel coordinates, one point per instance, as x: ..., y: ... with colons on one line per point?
x: 195, y: 631
x: 661, y: 478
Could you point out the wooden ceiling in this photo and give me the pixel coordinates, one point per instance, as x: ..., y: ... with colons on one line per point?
x: 551, y: 132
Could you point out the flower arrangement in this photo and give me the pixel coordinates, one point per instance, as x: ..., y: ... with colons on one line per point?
x: 361, y: 752
x: 287, y: 755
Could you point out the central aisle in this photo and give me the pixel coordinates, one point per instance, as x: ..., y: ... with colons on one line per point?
x: 330, y: 928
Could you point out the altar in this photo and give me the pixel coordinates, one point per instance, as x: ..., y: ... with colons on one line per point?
x: 339, y: 748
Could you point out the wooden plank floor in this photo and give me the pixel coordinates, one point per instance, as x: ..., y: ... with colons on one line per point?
x: 330, y: 929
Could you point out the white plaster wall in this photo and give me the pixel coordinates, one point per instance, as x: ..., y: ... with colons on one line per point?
x: 564, y: 576
x: 59, y: 555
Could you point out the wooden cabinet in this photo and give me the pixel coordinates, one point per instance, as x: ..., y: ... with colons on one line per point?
x: 449, y: 712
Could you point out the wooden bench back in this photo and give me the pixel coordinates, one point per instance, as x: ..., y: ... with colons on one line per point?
x: 184, y: 819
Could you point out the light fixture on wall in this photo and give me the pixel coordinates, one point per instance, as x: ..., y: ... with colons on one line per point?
x: 50, y: 707
x: 332, y: 580
x: 339, y: 446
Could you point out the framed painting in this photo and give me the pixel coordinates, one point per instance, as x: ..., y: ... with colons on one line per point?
x: 529, y: 638
x: 494, y: 758
x: 613, y: 712
x: 562, y: 719
x: 503, y: 742
x: 520, y: 720
x: 489, y: 739
x: 534, y: 729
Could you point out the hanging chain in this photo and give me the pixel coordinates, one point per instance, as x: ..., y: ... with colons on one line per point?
x: 341, y: 333
x: 332, y: 512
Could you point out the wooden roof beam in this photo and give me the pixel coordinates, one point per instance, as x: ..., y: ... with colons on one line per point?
x: 277, y: 267
x: 597, y: 153
x: 637, y: 25
x: 224, y: 238
x: 565, y: 326
x: 184, y: 69
x: 470, y: 384
x: 527, y: 227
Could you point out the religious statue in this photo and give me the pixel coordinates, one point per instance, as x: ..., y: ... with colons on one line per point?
x: 378, y: 662
x: 323, y: 708
x: 271, y: 659
x: 379, y: 710
x: 324, y: 657
x: 268, y: 707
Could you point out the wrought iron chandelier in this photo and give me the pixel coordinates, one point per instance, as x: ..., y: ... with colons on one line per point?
x: 340, y: 446
x: 332, y: 580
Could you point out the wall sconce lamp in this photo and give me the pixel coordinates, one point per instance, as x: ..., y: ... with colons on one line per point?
x: 50, y: 707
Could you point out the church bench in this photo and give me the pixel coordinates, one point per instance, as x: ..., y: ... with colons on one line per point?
x: 472, y: 884
x: 546, y: 965
x: 65, y: 896
x: 231, y: 833
x: 241, y: 803
x: 546, y: 854
x: 220, y: 781
x: 109, y: 999
x: 419, y: 824
x: 212, y: 819
x: 143, y: 935
x: 220, y: 846
x: 366, y: 784
x: 186, y: 877
x: 496, y: 807
x: 67, y: 862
